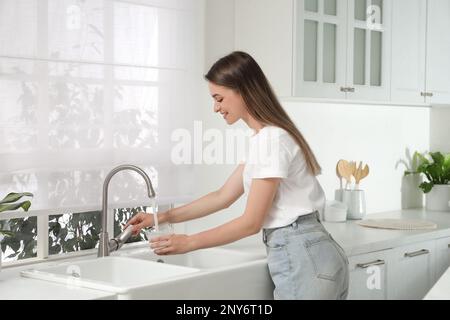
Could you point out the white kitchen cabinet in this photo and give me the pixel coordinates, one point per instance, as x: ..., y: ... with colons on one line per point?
x: 413, y: 271
x: 442, y: 256
x: 369, y: 275
x: 362, y: 50
x: 320, y: 28
x: 263, y: 28
x: 409, y: 18
x: 368, y: 49
x: 342, y: 49
x: 420, y: 51
x: 438, y: 52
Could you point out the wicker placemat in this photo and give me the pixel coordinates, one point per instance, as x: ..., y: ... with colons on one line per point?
x: 399, y: 224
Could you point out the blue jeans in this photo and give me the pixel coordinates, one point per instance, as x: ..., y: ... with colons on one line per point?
x: 305, y: 262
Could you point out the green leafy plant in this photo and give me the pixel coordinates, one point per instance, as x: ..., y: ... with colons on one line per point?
x: 436, y: 169
x: 10, y: 202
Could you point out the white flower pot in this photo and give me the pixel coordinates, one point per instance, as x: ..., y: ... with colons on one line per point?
x: 438, y: 199
x: 412, y: 195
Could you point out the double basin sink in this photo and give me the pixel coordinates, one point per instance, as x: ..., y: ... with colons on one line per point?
x: 215, y: 273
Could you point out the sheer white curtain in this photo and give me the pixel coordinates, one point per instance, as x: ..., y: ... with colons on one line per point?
x: 88, y: 85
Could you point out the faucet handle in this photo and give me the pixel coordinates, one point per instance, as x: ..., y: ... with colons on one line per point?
x: 117, y: 242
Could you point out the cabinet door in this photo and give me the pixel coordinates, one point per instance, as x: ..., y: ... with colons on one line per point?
x: 369, y: 275
x: 442, y: 256
x: 263, y: 28
x: 438, y: 52
x: 413, y: 272
x: 369, y: 47
x: 408, y: 50
x: 319, y: 48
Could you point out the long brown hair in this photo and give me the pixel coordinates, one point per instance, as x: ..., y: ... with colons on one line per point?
x: 240, y: 72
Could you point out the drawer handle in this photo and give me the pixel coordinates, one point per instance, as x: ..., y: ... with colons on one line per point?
x: 426, y: 94
x: 416, y: 253
x: 368, y: 264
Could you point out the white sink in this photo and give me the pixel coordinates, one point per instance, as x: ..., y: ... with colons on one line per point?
x: 201, y: 259
x: 120, y: 275
x: 225, y: 274
x: 214, y: 273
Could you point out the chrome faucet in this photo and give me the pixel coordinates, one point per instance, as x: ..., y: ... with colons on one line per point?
x: 106, y: 246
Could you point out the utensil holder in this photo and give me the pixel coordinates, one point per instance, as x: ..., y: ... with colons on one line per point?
x: 356, y: 203
x: 338, y: 194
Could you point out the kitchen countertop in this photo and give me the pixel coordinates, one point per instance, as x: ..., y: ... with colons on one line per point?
x: 356, y: 239
x: 353, y: 238
x: 15, y: 287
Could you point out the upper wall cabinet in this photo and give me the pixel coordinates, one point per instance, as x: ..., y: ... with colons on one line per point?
x: 437, y: 85
x: 409, y: 18
x: 365, y: 50
x: 320, y: 48
x: 342, y: 49
x: 421, y: 51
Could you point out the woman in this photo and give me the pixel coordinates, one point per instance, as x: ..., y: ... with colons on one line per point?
x: 283, y: 195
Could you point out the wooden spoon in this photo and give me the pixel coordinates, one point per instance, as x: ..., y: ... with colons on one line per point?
x: 353, y: 168
x: 345, y: 170
x: 339, y: 170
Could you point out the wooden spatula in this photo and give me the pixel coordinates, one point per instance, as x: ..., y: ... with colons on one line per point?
x: 360, y: 174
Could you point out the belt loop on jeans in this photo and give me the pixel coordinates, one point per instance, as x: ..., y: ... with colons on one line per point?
x: 294, y: 224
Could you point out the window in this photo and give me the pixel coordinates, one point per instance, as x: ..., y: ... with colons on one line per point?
x: 86, y: 86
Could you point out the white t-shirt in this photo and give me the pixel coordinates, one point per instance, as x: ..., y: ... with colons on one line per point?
x: 274, y: 153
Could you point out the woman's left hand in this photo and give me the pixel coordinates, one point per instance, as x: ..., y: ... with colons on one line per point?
x: 171, y: 244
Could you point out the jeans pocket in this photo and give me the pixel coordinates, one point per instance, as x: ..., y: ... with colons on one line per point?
x: 325, y: 257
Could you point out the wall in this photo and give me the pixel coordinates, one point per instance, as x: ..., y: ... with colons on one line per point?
x: 440, y: 129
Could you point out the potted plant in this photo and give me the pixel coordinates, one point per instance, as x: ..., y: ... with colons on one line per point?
x: 10, y: 203
x: 412, y: 196
x: 436, y: 168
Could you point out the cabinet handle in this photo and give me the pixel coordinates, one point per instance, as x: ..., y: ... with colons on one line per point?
x: 426, y: 94
x: 368, y: 264
x: 351, y: 89
x: 422, y: 94
x: 343, y: 89
x: 430, y: 94
x: 416, y: 253
x: 448, y: 245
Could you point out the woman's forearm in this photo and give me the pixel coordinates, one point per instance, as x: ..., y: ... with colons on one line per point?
x: 201, y: 207
x: 234, y: 230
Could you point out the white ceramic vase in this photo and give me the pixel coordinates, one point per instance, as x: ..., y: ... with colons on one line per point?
x: 412, y: 195
x: 438, y: 199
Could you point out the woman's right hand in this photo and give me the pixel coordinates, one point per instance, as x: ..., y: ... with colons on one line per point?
x: 140, y: 221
